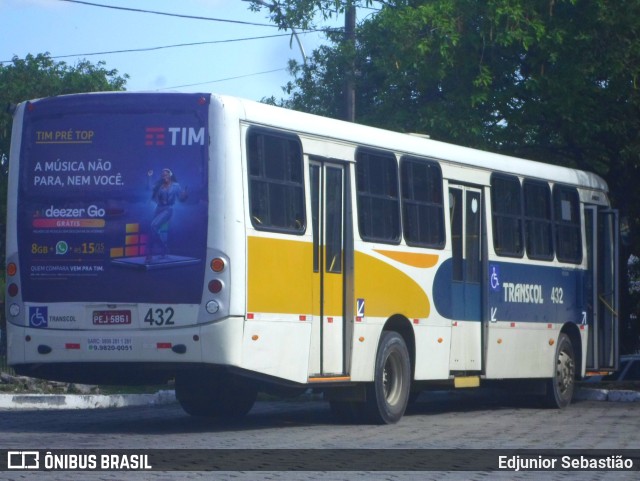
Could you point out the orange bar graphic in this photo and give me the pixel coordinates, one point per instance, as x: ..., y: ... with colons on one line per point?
x: 410, y: 258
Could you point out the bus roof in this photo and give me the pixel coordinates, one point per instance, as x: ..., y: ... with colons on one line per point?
x: 315, y: 125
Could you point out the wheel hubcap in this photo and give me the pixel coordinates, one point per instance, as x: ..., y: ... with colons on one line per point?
x: 392, y: 379
x: 565, y: 372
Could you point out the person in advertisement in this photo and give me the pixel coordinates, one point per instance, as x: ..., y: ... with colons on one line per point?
x: 166, y: 191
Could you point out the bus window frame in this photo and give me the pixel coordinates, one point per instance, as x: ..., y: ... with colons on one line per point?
x: 557, y: 190
x: 360, y: 195
x: 494, y: 213
x: 251, y: 178
x: 412, y: 159
x: 537, y: 220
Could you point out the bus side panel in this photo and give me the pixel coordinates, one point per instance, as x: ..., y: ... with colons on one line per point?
x: 277, y: 333
x: 393, y: 281
x: 221, y: 342
x: 365, y: 343
x: 278, y: 348
x: 523, y: 350
x: 226, y: 201
x: 528, y: 305
x: 12, y: 193
x: 432, y: 349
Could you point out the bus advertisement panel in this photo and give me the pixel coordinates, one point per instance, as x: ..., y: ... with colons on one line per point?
x: 112, y: 201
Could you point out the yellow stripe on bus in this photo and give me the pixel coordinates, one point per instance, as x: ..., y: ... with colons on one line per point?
x: 281, y: 280
x: 279, y: 276
x: 387, y: 290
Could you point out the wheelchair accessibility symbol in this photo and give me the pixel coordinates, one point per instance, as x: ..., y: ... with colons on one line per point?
x: 494, y: 278
x: 38, y: 317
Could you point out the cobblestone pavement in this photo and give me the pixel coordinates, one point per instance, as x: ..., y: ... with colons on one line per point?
x: 460, y: 420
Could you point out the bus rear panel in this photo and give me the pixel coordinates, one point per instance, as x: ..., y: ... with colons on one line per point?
x: 111, y: 205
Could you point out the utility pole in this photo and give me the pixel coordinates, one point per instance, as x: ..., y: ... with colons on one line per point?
x: 349, y: 83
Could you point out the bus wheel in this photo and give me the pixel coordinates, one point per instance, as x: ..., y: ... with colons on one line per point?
x: 215, y: 395
x: 388, y: 395
x: 561, y: 386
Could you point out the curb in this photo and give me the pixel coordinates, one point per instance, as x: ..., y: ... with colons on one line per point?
x: 99, y: 401
x: 593, y: 394
x: 83, y: 401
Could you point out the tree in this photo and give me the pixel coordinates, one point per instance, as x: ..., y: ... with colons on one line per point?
x: 554, y: 80
x: 40, y: 76
x: 550, y: 80
x: 35, y: 77
x: 303, y: 14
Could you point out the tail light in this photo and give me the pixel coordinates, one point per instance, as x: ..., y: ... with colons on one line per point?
x: 217, y: 264
x: 12, y: 288
x: 215, y: 286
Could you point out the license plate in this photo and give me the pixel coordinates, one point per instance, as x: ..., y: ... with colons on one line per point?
x: 101, y: 318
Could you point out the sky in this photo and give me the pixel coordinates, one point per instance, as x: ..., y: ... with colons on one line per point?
x: 252, y: 69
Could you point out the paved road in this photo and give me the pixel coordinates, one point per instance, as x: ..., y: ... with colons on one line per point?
x: 461, y: 420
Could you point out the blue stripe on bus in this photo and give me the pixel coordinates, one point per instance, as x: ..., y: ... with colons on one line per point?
x: 515, y: 293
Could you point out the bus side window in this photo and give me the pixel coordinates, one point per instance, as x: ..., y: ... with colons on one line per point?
x: 378, y: 199
x: 422, y: 202
x: 276, y: 182
x: 567, y: 224
x: 455, y: 215
x: 506, y: 206
x: 537, y: 216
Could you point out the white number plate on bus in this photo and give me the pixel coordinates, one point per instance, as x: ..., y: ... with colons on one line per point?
x: 101, y: 318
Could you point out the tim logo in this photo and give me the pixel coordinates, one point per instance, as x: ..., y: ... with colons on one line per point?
x: 174, y: 136
x: 38, y: 316
x: 23, y: 460
x: 154, y: 136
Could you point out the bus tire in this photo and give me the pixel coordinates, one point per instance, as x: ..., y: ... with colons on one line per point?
x: 388, y: 395
x: 218, y: 396
x: 560, y: 387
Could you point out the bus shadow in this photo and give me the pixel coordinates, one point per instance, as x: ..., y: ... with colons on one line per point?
x: 469, y: 400
x: 281, y: 414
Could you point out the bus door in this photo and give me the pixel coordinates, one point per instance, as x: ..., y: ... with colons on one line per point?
x: 465, y: 205
x: 331, y: 233
x: 601, y: 288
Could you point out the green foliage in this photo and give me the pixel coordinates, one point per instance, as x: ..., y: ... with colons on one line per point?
x: 550, y: 80
x: 303, y: 14
x: 40, y: 76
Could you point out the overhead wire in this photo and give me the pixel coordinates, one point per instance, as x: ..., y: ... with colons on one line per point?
x: 177, y: 15
x: 222, y: 80
x: 194, y: 17
x: 161, y: 47
x: 168, y: 14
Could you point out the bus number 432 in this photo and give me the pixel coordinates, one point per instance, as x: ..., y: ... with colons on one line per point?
x: 557, y: 295
x: 160, y: 317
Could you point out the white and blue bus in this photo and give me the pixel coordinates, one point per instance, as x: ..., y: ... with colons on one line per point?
x: 237, y: 247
